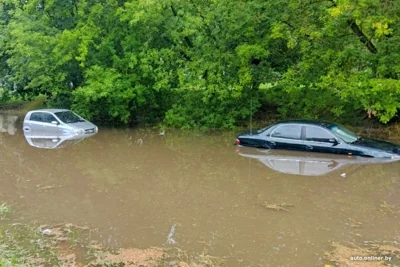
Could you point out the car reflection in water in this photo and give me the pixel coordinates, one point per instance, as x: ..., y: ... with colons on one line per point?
x: 53, y: 143
x: 302, y: 163
x: 8, y: 124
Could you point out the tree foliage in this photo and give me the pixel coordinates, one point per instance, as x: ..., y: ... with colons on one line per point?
x: 209, y: 63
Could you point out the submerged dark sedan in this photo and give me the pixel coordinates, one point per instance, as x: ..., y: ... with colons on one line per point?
x: 317, y: 136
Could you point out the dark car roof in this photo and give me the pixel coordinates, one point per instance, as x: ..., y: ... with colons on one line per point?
x: 325, y: 124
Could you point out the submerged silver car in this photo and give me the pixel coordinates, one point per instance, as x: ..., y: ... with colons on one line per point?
x: 54, y: 123
x: 54, y: 143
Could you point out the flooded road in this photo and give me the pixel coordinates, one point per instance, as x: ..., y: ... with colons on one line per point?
x: 195, y: 191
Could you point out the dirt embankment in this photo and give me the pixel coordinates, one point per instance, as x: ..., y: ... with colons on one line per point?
x: 73, y: 246
x: 370, y: 254
x: 20, y: 107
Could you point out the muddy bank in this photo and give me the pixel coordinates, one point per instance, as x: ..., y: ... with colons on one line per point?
x: 368, y: 254
x: 72, y: 245
x: 21, y: 107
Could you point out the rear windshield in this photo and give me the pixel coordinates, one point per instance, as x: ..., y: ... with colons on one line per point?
x: 68, y: 117
x: 264, y: 129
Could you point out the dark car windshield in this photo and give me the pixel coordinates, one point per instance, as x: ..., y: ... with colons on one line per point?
x: 68, y: 117
x: 344, y: 134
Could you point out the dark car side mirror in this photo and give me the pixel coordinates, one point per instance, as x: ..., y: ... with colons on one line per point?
x: 333, y: 141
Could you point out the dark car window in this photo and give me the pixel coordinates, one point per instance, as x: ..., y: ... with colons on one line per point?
x: 344, y: 134
x: 317, y: 134
x: 289, y: 131
x: 48, y: 118
x: 37, y: 116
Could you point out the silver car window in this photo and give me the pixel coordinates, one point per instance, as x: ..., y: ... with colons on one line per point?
x: 47, y: 117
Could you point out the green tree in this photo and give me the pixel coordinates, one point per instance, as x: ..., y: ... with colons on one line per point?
x: 210, y: 63
x: 348, y: 58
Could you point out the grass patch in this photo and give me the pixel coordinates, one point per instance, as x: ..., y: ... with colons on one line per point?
x: 7, y: 263
x: 5, y: 210
x: 27, y: 245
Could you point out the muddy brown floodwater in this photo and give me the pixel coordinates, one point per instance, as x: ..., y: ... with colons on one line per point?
x: 196, y: 192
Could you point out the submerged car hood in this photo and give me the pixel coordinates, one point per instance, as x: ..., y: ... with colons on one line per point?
x: 82, y: 125
x: 377, y: 144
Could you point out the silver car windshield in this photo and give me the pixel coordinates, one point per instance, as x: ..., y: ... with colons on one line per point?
x: 68, y: 117
x: 343, y: 133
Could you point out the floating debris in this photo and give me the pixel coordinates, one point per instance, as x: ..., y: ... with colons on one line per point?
x: 170, y: 237
x: 46, y: 232
x: 278, y: 207
x: 56, y: 233
x: 139, y: 141
x: 343, y: 175
x: 385, y: 207
x: 49, y: 187
x: 353, y: 223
